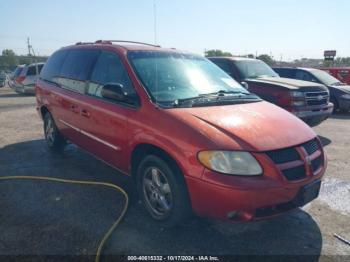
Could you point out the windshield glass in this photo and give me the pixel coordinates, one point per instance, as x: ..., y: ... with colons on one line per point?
x: 170, y: 76
x: 254, y: 69
x: 325, y: 78
x: 17, y: 71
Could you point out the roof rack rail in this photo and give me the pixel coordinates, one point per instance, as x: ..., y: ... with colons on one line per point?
x: 84, y: 43
x: 123, y: 41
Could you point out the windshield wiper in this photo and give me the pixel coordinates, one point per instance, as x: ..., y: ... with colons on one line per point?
x: 216, y: 99
x: 224, y: 92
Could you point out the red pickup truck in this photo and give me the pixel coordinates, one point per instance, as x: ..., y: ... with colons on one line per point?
x: 340, y: 73
x: 306, y: 100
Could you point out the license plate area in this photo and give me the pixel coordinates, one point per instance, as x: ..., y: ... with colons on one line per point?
x: 307, y: 193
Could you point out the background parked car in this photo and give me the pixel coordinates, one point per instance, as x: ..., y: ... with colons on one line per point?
x: 2, y: 78
x: 25, y: 82
x: 340, y: 73
x: 339, y: 92
x: 15, y: 74
x: 308, y: 101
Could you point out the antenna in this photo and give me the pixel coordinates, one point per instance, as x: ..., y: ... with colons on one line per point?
x: 155, y: 21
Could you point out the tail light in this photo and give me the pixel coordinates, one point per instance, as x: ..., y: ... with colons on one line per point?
x: 20, y: 79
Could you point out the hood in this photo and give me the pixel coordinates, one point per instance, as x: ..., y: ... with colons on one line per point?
x: 286, y: 82
x: 344, y: 88
x: 259, y: 126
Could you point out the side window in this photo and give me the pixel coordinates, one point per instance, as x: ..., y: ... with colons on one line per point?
x: 224, y: 65
x: 32, y: 70
x: 76, y: 69
x: 109, y: 69
x: 306, y: 76
x: 285, y: 72
x: 52, y: 68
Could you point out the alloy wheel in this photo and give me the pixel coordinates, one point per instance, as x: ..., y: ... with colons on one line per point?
x: 157, y: 191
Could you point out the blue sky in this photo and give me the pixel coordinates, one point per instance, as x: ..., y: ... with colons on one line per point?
x: 291, y: 28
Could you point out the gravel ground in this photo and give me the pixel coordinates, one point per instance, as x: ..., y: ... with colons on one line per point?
x: 45, y: 218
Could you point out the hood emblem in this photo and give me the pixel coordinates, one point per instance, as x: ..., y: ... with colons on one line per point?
x: 308, y: 160
x: 319, y: 97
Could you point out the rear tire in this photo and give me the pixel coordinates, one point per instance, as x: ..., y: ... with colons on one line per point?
x: 53, y: 138
x: 163, y: 191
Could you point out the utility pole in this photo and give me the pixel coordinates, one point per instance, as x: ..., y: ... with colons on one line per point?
x: 29, y: 47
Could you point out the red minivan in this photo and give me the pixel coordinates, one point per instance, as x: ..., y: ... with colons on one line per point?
x: 192, y: 138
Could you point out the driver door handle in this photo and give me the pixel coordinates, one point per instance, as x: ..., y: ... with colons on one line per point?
x: 85, y: 113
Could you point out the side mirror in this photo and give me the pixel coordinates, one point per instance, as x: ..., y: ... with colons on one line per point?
x: 115, y: 91
x: 245, y: 85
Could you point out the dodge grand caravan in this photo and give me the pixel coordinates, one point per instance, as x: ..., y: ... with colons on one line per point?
x: 308, y: 101
x: 191, y: 137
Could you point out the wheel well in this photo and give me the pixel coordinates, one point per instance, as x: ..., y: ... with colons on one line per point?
x: 334, y: 100
x: 43, y: 111
x: 143, y: 150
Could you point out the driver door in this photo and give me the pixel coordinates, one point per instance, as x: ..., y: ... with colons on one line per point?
x: 103, y: 121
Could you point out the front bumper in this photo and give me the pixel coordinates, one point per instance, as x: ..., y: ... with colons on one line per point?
x: 344, y: 104
x: 25, y: 89
x: 238, y: 198
x: 313, y: 116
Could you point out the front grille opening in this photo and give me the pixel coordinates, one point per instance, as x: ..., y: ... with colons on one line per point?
x: 316, y: 94
x: 317, y: 163
x: 311, y: 146
x: 317, y: 102
x: 295, y: 173
x: 317, y: 98
x: 284, y: 155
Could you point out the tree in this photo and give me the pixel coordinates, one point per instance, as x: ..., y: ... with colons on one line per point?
x: 217, y: 52
x: 267, y: 59
x: 8, y: 58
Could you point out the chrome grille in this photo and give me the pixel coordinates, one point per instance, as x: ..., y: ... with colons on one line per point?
x: 317, y: 98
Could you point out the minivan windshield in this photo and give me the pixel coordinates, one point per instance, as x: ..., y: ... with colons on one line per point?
x: 17, y: 71
x: 325, y: 78
x: 254, y: 69
x: 173, y: 76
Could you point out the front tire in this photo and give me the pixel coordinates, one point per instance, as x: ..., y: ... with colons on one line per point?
x: 336, y: 105
x: 53, y: 138
x: 163, y: 191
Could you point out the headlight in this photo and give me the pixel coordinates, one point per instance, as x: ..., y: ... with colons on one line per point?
x: 297, y: 94
x: 298, y: 98
x: 346, y: 96
x: 230, y: 162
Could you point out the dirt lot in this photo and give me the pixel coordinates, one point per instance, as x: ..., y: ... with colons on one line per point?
x: 45, y: 218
